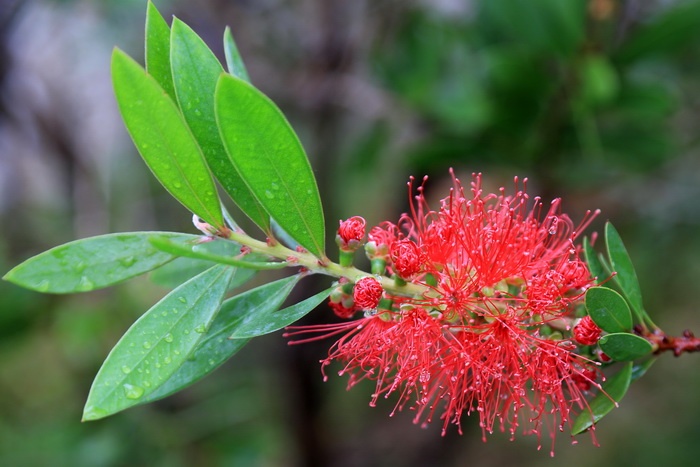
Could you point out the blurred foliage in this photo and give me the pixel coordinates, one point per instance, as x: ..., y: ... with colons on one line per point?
x: 594, y: 100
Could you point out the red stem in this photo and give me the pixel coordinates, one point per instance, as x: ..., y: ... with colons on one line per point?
x: 678, y: 345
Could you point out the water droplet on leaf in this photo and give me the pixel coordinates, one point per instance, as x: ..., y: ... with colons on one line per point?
x: 200, y: 329
x: 126, y: 370
x: 269, y: 194
x: 85, y: 285
x: 133, y: 392
x: 168, y: 337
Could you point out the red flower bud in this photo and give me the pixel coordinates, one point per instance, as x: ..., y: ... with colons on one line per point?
x: 367, y: 293
x: 351, y: 232
x: 586, y: 332
x: 406, y: 258
x: 340, y: 310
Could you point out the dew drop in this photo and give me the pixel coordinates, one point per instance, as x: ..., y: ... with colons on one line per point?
x: 182, y: 299
x: 275, y: 186
x: 168, y: 337
x: 146, y: 345
x: 133, y: 392
x: 197, y: 112
x: 186, y: 331
x: 85, y: 285
x: 201, y: 329
x: 211, y: 362
x: 164, y: 313
x: 269, y: 194
x: 80, y: 267
x: 128, y: 261
x: 177, y: 185
x: 167, y: 360
x: 43, y: 286
x: 126, y: 370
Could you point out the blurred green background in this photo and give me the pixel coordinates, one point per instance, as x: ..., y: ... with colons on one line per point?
x: 595, y: 101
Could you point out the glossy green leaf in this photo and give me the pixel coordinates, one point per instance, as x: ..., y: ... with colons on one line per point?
x: 196, y: 71
x: 614, y: 389
x: 594, y: 264
x: 271, y: 160
x: 234, y: 61
x: 214, y: 349
x: 608, y: 310
x: 641, y: 369
x: 265, y: 323
x: 157, y: 344
x: 158, y: 49
x: 198, y: 251
x: 163, y: 139
x: 94, y: 263
x: 621, y: 263
x: 624, y: 347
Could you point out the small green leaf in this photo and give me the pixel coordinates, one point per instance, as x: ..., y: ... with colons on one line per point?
x: 93, y: 263
x: 196, y: 71
x: 234, y: 61
x: 614, y: 389
x: 608, y: 310
x: 271, y: 160
x: 640, y: 369
x: 621, y: 263
x: 158, y: 49
x: 163, y: 139
x: 624, y: 347
x: 265, y: 323
x: 594, y: 264
x: 197, y: 251
x: 157, y: 344
x: 214, y: 349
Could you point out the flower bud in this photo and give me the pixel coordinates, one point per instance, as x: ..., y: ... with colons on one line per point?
x: 406, y: 258
x: 367, y: 293
x: 586, y: 332
x: 351, y: 233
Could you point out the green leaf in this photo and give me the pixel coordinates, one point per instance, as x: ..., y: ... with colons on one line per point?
x: 614, y: 389
x: 621, y: 263
x: 163, y: 139
x: 157, y: 344
x: 271, y: 160
x: 594, y: 264
x: 234, y: 61
x: 640, y: 369
x: 214, y: 349
x: 198, y: 251
x: 264, y: 323
x: 93, y: 263
x: 608, y: 310
x: 624, y: 347
x: 158, y: 49
x: 196, y: 71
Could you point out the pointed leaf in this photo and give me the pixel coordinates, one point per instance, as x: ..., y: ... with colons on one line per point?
x: 214, y: 349
x: 163, y: 139
x: 608, y: 310
x: 199, y: 252
x: 624, y: 347
x: 157, y: 344
x: 614, y: 389
x: 158, y: 49
x: 195, y: 72
x: 621, y: 263
x: 234, y: 61
x: 271, y: 160
x: 594, y: 264
x: 93, y: 263
x: 264, y: 323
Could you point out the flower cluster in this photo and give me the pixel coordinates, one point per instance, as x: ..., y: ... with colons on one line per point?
x: 492, y: 330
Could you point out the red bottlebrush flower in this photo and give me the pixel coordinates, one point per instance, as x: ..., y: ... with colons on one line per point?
x: 406, y: 258
x: 341, y: 310
x: 351, y: 232
x: 367, y: 293
x: 495, y: 281
x: 586, y: 332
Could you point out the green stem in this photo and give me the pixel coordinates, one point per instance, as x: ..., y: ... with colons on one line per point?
x: 325, y: 266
